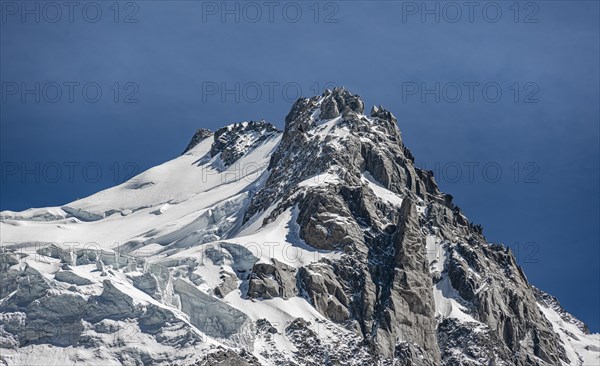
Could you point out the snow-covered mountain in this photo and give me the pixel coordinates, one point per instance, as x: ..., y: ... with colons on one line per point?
x: 319, y: 245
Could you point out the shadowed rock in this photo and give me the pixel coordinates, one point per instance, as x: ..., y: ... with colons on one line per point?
x: 198, y: 137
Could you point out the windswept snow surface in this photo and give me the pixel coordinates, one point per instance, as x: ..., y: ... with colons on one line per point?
x: 169, y: 198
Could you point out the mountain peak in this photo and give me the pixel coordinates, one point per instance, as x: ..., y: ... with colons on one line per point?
x: 258, y: 247
x: 330, y: 135
x: 338, y: 102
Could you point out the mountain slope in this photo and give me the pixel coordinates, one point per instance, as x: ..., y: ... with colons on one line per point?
x: 321, y: 244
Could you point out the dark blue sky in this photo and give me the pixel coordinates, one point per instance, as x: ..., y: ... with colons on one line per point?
x: 178, y: 59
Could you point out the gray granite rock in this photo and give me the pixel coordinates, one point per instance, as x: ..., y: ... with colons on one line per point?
x: 382, y: 284
x: 269, y: 280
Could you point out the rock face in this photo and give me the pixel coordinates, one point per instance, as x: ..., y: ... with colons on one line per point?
x: 200, y: 135
x: 269, y: 280
x: 383, y: 282
x: 324, y: 291
x: 388, y: 270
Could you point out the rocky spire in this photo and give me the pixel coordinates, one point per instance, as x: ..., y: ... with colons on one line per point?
x: 385, y: 284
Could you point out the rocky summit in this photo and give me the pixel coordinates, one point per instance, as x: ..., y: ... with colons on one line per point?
x: 321, y: 244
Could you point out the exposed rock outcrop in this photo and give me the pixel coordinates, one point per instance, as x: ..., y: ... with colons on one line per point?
x: 199, y: 136
x: 72, y: 278
x: 269, y: 280
x: 233, y: 141
x: 228, y: 284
